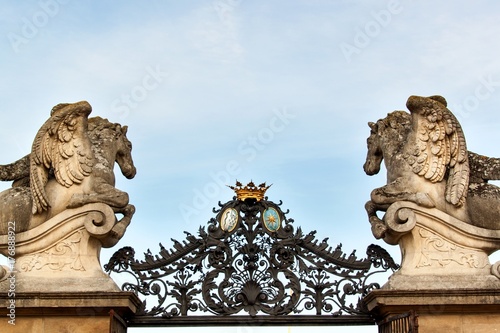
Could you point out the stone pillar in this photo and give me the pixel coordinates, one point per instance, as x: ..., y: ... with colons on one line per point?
x: 446, y: 279
x: 439, y: 311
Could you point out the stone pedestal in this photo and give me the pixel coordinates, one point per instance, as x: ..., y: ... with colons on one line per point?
x: 55, y: 283
x: 446, y: 278
x: 62, y: 254
x: 75, y: 312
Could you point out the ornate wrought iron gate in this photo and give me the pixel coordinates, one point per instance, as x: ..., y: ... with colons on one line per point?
x: 250, y: 266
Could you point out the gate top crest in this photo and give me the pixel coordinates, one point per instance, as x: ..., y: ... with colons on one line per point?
x: 250, y: 260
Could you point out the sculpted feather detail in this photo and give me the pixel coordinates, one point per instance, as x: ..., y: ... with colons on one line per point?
x: 63, y: 147
x: 440, y: 149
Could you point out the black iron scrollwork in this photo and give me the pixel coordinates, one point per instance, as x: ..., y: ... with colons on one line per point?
x: 250, y: 259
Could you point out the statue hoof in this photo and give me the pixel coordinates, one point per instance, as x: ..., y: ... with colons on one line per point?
x: 378, y: 227
x: 129, y: 210
x: 118, y: 231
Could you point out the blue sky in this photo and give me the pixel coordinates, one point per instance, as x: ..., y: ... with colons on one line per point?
x: 275, y: 91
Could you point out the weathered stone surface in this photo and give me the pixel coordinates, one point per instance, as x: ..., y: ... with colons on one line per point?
x: 445, y: 217
x: 62, y: 254
x: 74, y: 312
x: 18, y: 171
x: 439, y: 251
x: 71, y: 164
x: 439, y: 207
x: 427, y: 163
x: 61, y: 210
x: 456, y: 311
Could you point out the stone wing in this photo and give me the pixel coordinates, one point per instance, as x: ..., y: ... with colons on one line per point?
x: 61, y: 147
x: 440, y: 150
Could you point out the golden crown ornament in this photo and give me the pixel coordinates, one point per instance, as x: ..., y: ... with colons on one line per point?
x: 249, y: 191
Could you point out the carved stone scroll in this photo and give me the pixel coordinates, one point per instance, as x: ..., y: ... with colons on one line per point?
x: 439, y: 247
x: 62, y: 254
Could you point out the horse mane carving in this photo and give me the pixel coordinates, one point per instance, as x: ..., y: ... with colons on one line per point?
x: 63, y: 147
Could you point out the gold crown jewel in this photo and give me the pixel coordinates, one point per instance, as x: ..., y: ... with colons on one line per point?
x: 249, y: 191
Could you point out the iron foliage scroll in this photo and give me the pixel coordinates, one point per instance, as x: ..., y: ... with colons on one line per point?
x: 250, y: 259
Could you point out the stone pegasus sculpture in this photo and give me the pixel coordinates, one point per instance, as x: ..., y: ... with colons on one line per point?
x: 438, y: 205
x: 427, y: 162
x: 70, y: 165
x: 62, y: 207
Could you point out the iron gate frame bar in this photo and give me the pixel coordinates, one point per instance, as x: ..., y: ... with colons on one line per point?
x: 242, y: 320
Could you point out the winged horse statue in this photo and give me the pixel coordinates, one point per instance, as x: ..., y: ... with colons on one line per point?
x: 70, y: 165
x: 428, y: 163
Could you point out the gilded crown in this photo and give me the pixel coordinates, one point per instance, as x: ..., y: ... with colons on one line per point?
x: 249, y: 191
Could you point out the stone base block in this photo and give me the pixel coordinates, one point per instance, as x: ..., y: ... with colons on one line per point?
x: 67, y: 312
x: 450, y: 311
